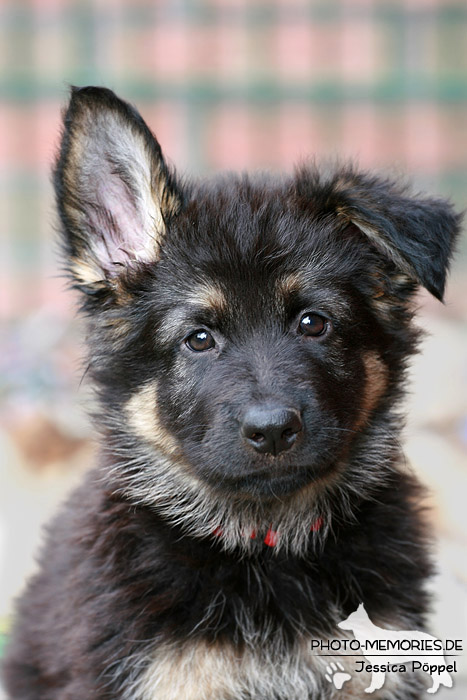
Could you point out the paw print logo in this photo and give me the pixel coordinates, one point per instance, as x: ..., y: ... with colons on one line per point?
x: 336, y: 675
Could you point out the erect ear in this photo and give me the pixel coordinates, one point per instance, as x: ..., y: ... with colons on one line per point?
x: 114, y: 191
x: 416, y: 233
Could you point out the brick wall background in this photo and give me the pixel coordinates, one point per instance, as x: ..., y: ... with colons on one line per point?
x: 224, y: 84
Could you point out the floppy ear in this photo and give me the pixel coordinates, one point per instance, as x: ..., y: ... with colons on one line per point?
x: 114, y: 191
x: 418, y: 234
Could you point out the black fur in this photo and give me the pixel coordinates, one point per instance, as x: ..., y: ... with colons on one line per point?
x: 164, y: 542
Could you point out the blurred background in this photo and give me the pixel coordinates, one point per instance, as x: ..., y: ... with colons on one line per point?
x: 236, y: 84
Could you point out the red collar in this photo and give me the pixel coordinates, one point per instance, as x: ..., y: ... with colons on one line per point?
x: 272, y: 536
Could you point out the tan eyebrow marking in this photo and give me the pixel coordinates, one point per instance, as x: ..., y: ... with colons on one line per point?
x: 294, y: 282
x: 208, y: 295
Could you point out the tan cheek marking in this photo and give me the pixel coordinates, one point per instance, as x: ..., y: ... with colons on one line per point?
x: 376, y: 381
x: 141, y: 411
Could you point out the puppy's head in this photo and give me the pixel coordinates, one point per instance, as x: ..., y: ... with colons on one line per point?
x: 248, y: 337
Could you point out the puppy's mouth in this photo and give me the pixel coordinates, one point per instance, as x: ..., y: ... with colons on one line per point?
x: 276, y: 481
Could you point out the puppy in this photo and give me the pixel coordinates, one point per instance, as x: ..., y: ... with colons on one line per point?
x: 248, y: 339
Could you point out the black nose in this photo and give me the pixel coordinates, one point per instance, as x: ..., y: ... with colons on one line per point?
x: 271, y: 429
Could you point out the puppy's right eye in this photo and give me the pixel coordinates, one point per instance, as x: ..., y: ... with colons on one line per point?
x: 313, y: 325
x: 199, y: 341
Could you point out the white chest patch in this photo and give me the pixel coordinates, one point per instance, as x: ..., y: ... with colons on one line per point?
x: 197, y: 671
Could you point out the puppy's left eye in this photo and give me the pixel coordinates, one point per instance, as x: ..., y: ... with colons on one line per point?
x: 199, y: 341
x: 313, y: 325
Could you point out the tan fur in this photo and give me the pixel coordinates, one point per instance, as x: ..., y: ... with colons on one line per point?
x: 290, y: 284
x: 302, y: 280
x: 210, y: 296
x: 193, y: 672
x: 141, y: 411
x: 86, y: 271
x: 198, y: 671
x: 376, y: 381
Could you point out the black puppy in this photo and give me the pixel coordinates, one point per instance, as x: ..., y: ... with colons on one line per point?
x: 249, y: 340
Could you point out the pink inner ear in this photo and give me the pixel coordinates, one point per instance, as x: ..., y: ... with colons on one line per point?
x: 120, y: 238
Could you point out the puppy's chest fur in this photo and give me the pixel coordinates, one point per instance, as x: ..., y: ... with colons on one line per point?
x: 197, y: 671
x: 265, y: 650
x: 262, y: 650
